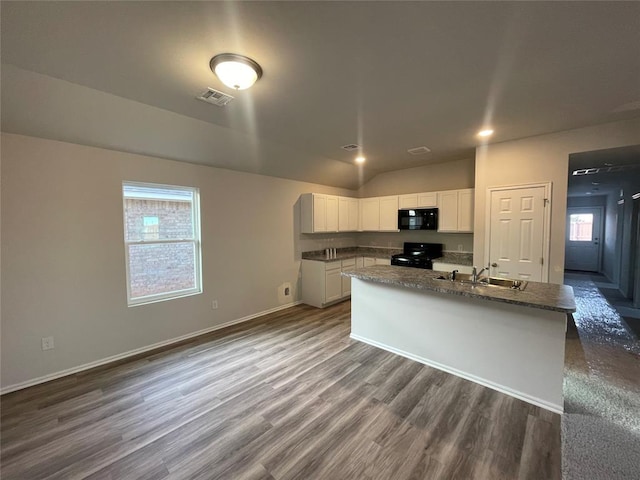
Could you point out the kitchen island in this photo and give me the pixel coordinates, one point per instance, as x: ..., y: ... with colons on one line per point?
x: 509, y: 340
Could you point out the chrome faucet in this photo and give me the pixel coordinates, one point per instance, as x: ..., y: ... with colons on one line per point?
x: 475, y: 274
x: 452, y: 275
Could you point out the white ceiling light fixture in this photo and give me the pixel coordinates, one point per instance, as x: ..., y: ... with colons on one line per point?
x: 235, y: 71
x: 485, y: 133
x: 360, y: 159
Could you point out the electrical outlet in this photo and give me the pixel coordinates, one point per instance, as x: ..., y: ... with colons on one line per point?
x: 460, y: 247
x: 214, y: 305
x: 47, y: 343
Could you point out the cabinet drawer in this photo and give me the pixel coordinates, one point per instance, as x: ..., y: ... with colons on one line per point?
x: 349, y: 263
x: 333, y: 265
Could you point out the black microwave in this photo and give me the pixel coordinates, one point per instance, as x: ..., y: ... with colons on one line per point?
x: 418, y: 219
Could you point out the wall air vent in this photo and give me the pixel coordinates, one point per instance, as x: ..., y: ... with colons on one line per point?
x: 215, y: 97
x: 351, y: 147
x: 419, y: 150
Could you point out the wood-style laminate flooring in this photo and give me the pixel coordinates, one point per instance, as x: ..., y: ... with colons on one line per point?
x: 285, y: 396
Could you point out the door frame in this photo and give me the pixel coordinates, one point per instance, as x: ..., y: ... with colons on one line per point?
x: 546, y: 222
x: 600, y: 209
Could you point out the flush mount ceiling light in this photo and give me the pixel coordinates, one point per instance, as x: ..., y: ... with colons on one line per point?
x: 485, y: 133
x: 360, y: 159
x: 235, y: 71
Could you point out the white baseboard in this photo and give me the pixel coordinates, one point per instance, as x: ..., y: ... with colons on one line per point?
x: 130, y: 353
x: 494, y: 386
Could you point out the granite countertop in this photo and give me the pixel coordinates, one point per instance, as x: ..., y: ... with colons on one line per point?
x: 457, y: 258
x: 351, y: 252
x: 546, y: 296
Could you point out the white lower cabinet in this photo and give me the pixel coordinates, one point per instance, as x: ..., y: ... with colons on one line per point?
x: 346, y: 281
x: 368, y: 261
x: 323, y: 283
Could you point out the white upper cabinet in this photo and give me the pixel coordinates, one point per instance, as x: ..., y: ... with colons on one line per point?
x: 332, y: 214
x: 389, y: 214
x: 418, y: 200
x: 465, y: 210
x: 428, y: 200
x: 408, y: 201
x: 319, y: 213
x: 455, y: 211
x: 370, y: 214
x: 348, y: 214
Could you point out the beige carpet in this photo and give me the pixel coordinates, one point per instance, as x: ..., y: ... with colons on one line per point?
x: 601, y: 424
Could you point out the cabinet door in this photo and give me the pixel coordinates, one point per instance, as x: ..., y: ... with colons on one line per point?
x: 359, y: 262
x: 368, y: 261
x: 465, y: 210
x: 353, y: 214
x: 408, y: 201
x: 319, y: 213
x: 370, y: 214
x: 448, y: 211
x: 346, y: 286
x: 332, y: 285
x: 343, y: 214
x: 389, y: 213
x: 429, y: 199
x: 332, y: 214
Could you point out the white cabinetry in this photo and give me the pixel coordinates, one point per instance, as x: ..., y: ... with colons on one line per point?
x: 428, y: 200
x: 322, y: 282
x: 348, y: 214
x: 322, y: 213
x: 379, y: 214
x: 465, y: 210
x: 368, y: 261
x: 370, y: 214
x: 346, y: 281
x: 319, y: 213
x: 389, y: 214
x: 418, y: 200
x: 408, y: 201
x: 383, y: 261
x: 455, y: 211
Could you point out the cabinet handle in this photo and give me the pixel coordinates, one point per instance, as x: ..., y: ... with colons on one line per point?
x: 494, y: 264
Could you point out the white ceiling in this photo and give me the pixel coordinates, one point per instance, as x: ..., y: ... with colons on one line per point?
x: 614, y: 169
x: 387, y: 75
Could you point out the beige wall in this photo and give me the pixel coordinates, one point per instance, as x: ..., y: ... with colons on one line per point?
x: 542, y: 159
x: 430, y: 178
x: 63, y: 265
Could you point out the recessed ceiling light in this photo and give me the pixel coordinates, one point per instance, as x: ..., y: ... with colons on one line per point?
x: 360, y: 159
x: 485, y: 133
x: 588, y: 193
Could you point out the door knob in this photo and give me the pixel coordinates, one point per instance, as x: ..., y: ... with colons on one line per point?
x: 494, y: 264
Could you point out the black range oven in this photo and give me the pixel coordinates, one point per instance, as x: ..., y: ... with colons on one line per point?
x: 418, y: 255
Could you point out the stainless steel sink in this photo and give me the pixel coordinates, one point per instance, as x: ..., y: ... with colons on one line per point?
x: 504, y: 283
x: 465, y: 278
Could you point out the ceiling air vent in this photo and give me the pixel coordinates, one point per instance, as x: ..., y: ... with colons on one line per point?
x: 215, y: 97
x: 419, y: 150
x: 351, y: 147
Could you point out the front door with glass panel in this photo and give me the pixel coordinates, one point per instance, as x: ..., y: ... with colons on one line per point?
x: 582, y: 250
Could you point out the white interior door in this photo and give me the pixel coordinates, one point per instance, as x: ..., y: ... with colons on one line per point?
x: 582, y: 246
x: 517, y: 233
